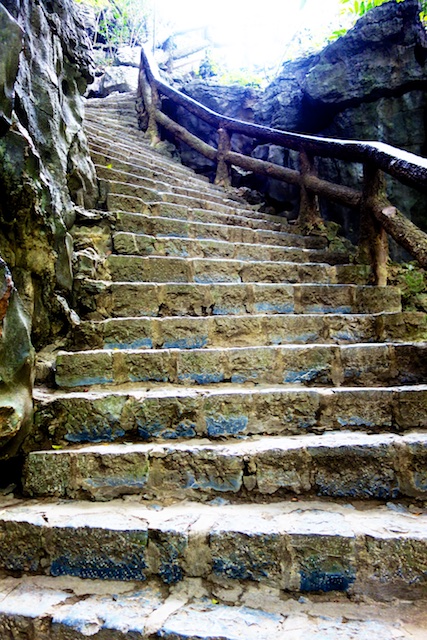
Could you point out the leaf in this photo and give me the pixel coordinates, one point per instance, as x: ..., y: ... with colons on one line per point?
x: 57, y: 446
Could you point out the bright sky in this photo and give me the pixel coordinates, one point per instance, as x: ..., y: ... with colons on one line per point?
x: 251, y: 33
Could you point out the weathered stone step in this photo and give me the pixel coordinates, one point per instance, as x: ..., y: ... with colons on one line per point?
x: 208, y: 213
x: 141, y: 155
x: 122, y: 119
x: 141, y: 169
x: 337, y: 464
x: 47, y: 608
x: 151, y: 170
x: 129, y: 194
x: 312, y: 365
x: 124, y: 125
x: 155, y: 223
x: 248, y: 331
x: 206, y: 189
x: 144, y: 413
x: 127, y: 243
x: 115, y: 299
x: 209, y: 270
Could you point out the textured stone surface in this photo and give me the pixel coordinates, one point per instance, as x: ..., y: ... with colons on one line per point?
x: 44, y: 161
x: 58, y: 609
x: 148, y: 414
x: 309, y: 546
x: 328, y: 465
x: 312, y: 364
x: 11, y: 34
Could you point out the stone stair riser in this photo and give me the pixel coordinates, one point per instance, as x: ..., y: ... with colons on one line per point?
x: 155, y: 224
x: 151, y: 172
x: 202, y: 189
x: 354, y: 466
x: 103, y: 153
x: 211, y: 545
x: 324, y: 365
x: 110, y: 416
x: 239, y: 331
x: 136, y: 299
x: 200, y: 212
x: 210, y: 271
x: 121, y: 192
x: 148, y: 245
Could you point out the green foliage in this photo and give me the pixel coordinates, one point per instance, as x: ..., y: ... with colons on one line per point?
x: 121, y: 22
x: 358, y: 8
x: 412, y: 280
x: 355, y: 9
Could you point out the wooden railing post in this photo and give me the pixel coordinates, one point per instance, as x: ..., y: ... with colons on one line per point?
x: 309, y: 212
x: 150, y: 97
x: 373, y: 239
x: 222, y: 177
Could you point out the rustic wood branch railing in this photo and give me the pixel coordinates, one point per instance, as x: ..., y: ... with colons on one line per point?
x: 377, y: 215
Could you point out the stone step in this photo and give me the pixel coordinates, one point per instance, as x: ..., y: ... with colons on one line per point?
x: 145, y: 167
x: 48, y: 608
x: 208, y: 271
x: 123, y: 124
x: 170, y: 412
x: 122, y: 119
x: 337, y: 464
x: 112, y: 101
x: 138, y: 167
x: 156, y: 223
x: 140, y: 244
x: 305, y: 547
x: 106, y: 299
x: 118, y: 176
x: 142, y: 155
x: 130, y: 194
x: 205, y: 212
x: 248, y: 331
x: 309, y: 365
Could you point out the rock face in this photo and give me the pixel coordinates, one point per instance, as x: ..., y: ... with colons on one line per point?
x: 235, y: 101
x: 45, y: 171
x: 369, y: 84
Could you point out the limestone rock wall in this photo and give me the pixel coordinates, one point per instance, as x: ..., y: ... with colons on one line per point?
x: 45, y: 172
x: 370, y: 84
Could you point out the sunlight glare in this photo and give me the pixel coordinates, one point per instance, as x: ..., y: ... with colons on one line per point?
x: 249, y: 34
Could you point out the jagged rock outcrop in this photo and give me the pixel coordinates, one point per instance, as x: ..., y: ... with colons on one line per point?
x: 45, y: 171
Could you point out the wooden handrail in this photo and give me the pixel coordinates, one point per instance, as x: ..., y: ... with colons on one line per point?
x: 377, y: 213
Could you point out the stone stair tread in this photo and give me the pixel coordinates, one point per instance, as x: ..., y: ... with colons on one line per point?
x: 360, y: 364
x: 249, y: 330
x: 192, y: 610
x: 156, y: 269
x: 167, y: 412
x: 203, y: 187
x: 139, y: 152
x: 168, y: 299
x: 193, y: 201
x: 144, y: 169
x: 337, y: 464
x: 131, y: 243
x: 192, y: 227
x: 132, y: 204
x: 141, y: 167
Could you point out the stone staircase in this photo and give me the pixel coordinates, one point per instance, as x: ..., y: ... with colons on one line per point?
x: 236, y: 445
